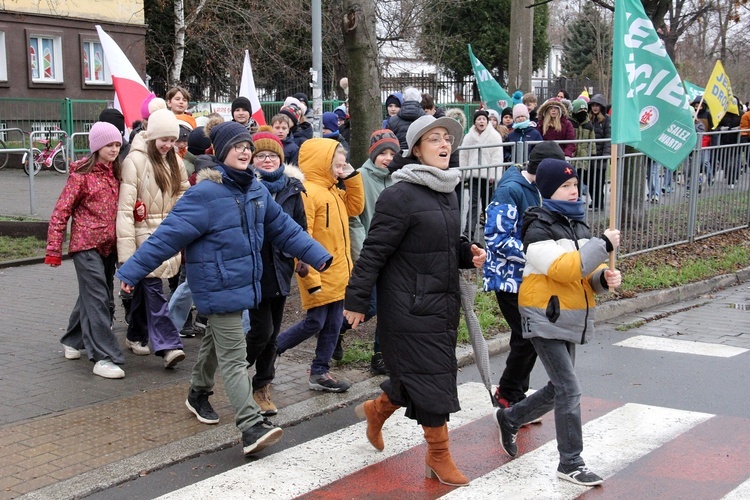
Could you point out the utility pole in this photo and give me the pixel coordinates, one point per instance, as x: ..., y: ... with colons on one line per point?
x: 521, y: 46
x: 316, y: 72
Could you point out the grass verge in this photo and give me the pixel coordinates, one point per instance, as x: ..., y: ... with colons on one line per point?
x: 21, y: 248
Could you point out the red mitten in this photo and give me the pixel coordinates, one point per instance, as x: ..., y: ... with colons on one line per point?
x: 52, y: 260
x: 139, y: 212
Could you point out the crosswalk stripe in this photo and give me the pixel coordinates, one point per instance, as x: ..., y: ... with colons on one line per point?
x: 610, y: 442
x: 741, y: 492
x: 327, y: 458
x: 649, y: 342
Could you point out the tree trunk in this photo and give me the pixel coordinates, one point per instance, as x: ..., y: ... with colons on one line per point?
x: 179, y: 42
x: 364, y: 76
x: 521, y: 47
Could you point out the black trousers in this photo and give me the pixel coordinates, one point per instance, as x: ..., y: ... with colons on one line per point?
x: 514, y: 382
x: 265, y: 324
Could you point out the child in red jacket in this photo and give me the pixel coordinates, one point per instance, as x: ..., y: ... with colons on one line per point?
x: 90, y: 197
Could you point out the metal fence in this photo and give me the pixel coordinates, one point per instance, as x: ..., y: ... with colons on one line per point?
x: 655, y: 208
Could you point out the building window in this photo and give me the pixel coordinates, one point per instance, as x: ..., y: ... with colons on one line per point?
x: 95, y: 70
x: 3, y: 59
x: 45, y: 58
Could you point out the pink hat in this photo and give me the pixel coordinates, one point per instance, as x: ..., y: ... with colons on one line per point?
x: 101, y: 134
x: 520, y: 110
x: 150, y: 104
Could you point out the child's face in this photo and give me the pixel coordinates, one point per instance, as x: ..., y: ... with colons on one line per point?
x: 241, y: 116
x: 164, y: 144
x: 239, y: 156
x: 266, y: 160
x: 481, y: 123
x: 384, y: 158
x: 568, y: 191
x: 281, y: 129
x: 393, y: 109
x: 178, y: 104
x: 507, y: 120
x: 108, y: 153
x: 520, y: 119
x: 337, y: 168
x: 531, y: 105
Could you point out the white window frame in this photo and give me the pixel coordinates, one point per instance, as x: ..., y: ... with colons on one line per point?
x: 107, y: 77
x: 3, y: 58
x: 57, y: 58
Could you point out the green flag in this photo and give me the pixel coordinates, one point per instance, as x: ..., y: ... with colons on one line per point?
x: 490, y: 92
x: 650, y: 110
x: 692, y: 90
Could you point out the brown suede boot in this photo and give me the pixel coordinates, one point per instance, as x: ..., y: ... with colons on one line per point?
x: 377, y: 412
x: 439, y: 461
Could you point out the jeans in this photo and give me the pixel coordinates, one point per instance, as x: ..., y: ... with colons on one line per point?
x: 180, y: 304
x: 223, y: 347
x: 562, y: 392
x: 514, y: 381
x: 654, y: 184
x: 326, y: 322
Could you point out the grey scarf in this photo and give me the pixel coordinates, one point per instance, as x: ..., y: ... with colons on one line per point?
x: 442, y: 181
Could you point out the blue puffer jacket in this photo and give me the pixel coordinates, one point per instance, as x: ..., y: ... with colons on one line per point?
x: 503, y: 268
x: 222, y: 227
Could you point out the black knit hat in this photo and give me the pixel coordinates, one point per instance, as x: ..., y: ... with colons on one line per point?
x: 480, y: 112
x: 507, y: 112
x: 227, y: 134
x: 545, y: 149
x: 552, y: 174
x: 198, y: 141
x: 242, y: 102
x: 113, y: 116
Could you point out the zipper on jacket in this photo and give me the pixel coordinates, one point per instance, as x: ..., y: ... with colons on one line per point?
x: 328, y: 209
x: 583, y: 286
x: 243, y: 217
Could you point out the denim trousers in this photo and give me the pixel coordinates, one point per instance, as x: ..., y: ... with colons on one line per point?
x: 90, y: 323
x: 326, y: 322
x: 223, y: 347
x: 514, y: 382
x: 179, y: 305
x: 562, y: 392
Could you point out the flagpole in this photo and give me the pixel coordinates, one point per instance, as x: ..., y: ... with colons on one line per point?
x: 613, y: 204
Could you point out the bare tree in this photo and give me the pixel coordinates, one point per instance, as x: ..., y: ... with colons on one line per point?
x: 181, y: 24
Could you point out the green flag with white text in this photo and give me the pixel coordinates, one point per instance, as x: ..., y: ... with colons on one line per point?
x: 650, y: 110
x: 490, y: 92
x: 692, y: 90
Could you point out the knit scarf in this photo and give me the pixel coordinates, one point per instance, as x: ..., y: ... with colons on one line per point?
x: 571, y: 209
x: 523, y: 124
x: 274, y: 181
x: 442, y: 181
x: 243, y: 178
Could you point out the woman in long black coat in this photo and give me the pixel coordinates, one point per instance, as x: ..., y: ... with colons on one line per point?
x: 413, y: 253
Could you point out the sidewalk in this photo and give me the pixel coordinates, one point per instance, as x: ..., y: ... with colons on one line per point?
x: 65, y: 433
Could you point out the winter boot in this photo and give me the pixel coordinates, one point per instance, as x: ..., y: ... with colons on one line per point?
x: 439, y: 461
x: 377, y: 412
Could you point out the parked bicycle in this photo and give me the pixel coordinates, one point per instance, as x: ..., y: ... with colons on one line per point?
x: 49, y: 157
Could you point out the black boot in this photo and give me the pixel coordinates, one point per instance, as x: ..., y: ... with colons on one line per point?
x: 338, y: 352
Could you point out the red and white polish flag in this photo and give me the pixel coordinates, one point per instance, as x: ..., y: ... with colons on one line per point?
x: 247, y: 89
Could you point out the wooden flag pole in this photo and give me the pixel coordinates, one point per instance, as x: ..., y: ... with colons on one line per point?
x: 613, y: 203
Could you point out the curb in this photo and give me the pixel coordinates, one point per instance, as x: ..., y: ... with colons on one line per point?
x: 224, y: 436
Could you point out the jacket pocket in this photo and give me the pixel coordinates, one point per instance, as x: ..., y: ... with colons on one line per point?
x: 429, y: 296
x: 223, y: 274
x: 553, y: 309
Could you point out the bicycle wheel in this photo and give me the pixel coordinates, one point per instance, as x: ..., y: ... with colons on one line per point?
x: 36, y: 154
x: 3, y: 156
x: 59, y: 163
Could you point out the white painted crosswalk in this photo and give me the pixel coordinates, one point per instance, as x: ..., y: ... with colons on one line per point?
x: 618, y: 438
x: 679, y: 346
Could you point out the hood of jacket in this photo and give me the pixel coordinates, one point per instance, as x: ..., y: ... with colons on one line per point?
x: 600, y: 100
x: 410, y: 111
x: 552, y: 102
x: 139, y: 143
x: 315, y: 160
x: 458, y: 115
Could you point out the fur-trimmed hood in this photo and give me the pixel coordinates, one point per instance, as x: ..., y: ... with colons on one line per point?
x: 548, y: 104
x: 458, y: 115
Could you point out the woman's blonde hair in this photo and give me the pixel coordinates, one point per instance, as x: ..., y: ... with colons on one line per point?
x: 548, y: 121
x: 166, y: 169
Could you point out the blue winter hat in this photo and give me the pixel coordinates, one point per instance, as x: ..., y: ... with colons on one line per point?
x: 517, y: 97
x: 551, y: 174
x: 331, y: 121
x: 341, y: 112
x: 225, y: 135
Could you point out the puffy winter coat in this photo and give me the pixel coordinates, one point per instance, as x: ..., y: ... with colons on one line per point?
x: 413, y: 252
x: 138, y: 183
x: 374, y: 180
x: 278, y: 267
x: 566, y: 132
x: 584, y: 132
x: 222, y: 228
x: 327, y: 209
x: 399, y: 124
x: 503, y: 268
x: 91, y: 199
x: 602, y: 126
x: 303, y: 132
x: 291, y: 150
x: 563, y: 271
x: 490, y: 156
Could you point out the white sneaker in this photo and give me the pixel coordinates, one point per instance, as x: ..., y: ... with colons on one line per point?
x: 107, y: 369
x: 71, y: 352
x: 137, y: 348
x: 172, y: 357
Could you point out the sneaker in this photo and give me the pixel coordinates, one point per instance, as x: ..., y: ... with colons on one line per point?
x: 507, y: 433
x: 262, y: 398
x: 377, y: 365
x: 107, y: 369
x: 187, y: 332
x: 260, y: 436
x: 197, y: 402
x: 501, y: 402
x: 201, y: 321
x: 326, y: 382
x: 579, y: 475
x: 172, y: 357
x: 338, y: 352
x: 71, y: 352
x: 137, y: 348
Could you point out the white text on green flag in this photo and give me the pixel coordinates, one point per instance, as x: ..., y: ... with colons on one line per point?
x: 649, y: 107
x: 490, y: 92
